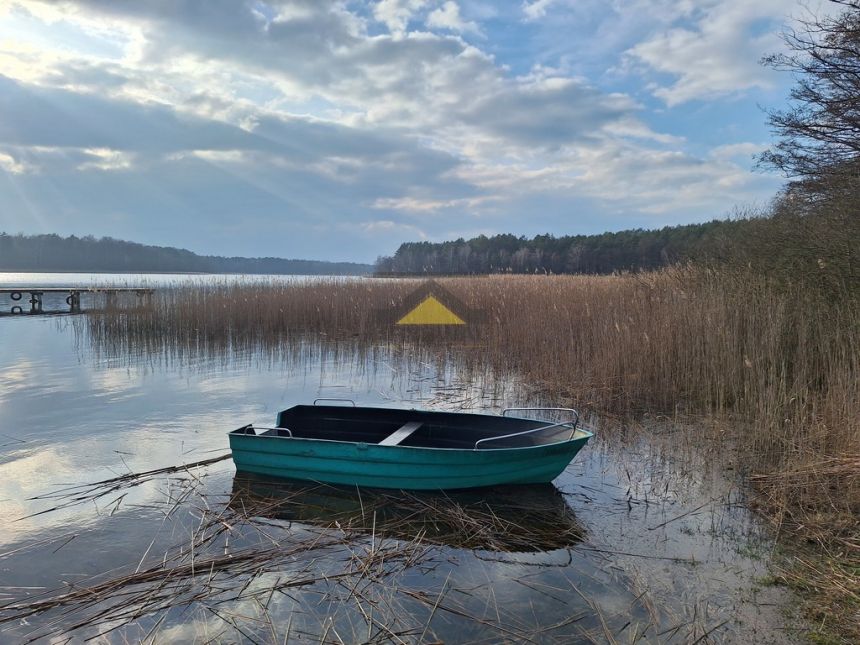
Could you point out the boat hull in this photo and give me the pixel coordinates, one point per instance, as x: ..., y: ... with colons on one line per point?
x: 415, y: 468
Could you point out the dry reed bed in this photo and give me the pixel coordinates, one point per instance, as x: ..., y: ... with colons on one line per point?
x: 244, y: 558
x: 780, y: 366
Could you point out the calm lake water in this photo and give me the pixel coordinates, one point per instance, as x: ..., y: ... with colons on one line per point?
x: 645, y: 537
x: 142, y: 280
x: 53, y: 303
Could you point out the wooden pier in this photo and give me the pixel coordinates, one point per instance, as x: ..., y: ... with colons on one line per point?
x: 73, y: 299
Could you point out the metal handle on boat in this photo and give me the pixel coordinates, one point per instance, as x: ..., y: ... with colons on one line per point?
x: 341, y: 400
x: 571, y: 410
x: 289, y: 432
x: 524, y: 432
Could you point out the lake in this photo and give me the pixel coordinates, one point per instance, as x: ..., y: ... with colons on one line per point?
x: 58, y: 303
x: 133, y: 280
x: 645, y: 537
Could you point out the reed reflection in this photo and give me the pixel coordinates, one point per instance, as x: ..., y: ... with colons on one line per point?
x: 509, y: 519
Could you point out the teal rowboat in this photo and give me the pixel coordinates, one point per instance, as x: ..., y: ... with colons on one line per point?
x: 409, y: 449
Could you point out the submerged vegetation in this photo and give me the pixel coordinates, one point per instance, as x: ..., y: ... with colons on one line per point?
x: 270, y: 561
x: 776, y: 365
x: 762, y: 330
x: 748, y: 329
x: 644, y: 539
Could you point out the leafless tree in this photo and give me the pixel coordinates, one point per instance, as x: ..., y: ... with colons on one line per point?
x: 819, y: 134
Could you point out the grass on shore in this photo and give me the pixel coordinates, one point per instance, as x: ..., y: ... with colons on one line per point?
x: 778, y: 366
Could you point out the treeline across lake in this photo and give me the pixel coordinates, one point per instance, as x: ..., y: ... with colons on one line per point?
x: 814, y: 238
x: 56, y: 253
x: 631, y: 250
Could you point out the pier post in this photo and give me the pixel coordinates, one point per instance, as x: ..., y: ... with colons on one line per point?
x: 74, y: 302
x: 35, y: 302
x: 113, y: 298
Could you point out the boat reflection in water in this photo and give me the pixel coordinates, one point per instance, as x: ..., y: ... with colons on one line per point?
x: 511, y: 519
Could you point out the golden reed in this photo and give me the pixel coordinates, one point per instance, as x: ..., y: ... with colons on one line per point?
x: 777, y: 367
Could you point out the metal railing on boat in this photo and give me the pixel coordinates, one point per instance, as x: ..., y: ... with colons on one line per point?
x: 277, y: 429
x: 350, y: 401
x: 532, y: 431
x: 574, y: 412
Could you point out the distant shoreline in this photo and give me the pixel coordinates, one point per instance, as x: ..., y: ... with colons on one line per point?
x: 67, y: 271
x: 47, y: 253
x: 114, y: 272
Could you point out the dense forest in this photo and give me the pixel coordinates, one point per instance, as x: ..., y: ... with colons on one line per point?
x: 56, y: 253
x: 808, y: 236
x: 810, y: 233
x: 630, y: 250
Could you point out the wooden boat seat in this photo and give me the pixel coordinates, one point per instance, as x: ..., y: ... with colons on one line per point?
x: 400, y: 434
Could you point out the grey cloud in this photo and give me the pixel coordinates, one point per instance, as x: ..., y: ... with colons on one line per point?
x: 87, y: 74
x: 251, y: 208
x: 306, y: 187
x: 212, y: 15
x: 302, y: 43
x: 325, y: 139
x: 547, y: 115
x: 50, y: 159
x: 292, y: 176
x: 422, y: 80
x: 36, y: 116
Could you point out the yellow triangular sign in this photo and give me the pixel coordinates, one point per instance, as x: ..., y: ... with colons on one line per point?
x: 431, y: 312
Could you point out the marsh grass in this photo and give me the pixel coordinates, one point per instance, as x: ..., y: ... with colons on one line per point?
x: 246, y: 555
x: 777, y: 368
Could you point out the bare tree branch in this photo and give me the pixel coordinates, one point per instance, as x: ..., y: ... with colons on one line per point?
x: 819, y: 133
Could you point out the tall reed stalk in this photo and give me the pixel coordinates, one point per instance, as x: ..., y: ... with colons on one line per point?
x: 779, y: 367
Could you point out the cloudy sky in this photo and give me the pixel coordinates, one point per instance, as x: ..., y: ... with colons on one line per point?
x: 337, y: 130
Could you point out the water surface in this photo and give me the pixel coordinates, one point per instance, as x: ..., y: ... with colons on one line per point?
x: 142, y: 280
x: 645, y: 537
x: 58, y: 303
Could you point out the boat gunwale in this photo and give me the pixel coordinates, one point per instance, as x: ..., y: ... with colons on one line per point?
x: 580, y: 433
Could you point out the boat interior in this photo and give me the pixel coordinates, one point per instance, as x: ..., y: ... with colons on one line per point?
x: 415, y: 428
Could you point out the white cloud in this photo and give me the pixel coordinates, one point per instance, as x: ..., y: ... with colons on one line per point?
x: 9, y: 164
x: 106, y: 159
x: 536, y: 9
x: 299, y: 117
x: 668, y: 181
x: 421, y: 205
x: 448, y: 17
x: 416, y: 81
x: 396, y: 14
x: 388, y: 226
x: 627, y: 176
x: 739, y: 151
x: 217, y: 156
x: 718, y: 53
